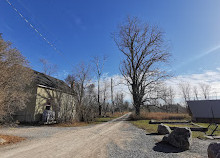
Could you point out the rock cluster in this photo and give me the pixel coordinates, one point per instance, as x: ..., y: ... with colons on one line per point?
x: 180, y: 138
x: 163, y: 129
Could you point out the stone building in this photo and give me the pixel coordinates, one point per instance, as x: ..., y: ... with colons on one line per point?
x: 48, y: 92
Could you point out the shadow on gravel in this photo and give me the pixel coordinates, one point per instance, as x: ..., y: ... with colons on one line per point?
x: 152, y: 134
x: 166, y: 148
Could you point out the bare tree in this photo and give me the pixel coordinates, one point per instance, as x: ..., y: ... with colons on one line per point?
x: 144, y: 49
x: 99, y: 65
x: 114, y: 84
x: 196, y: 93
x: 15, y: 81
x: 163, y: 94
x: 112, y: 95
x: 185, y: 89
x: 48, y: 68
x: 119, y: 101
x: 215, y: 94
x: 170, y: 95
x: 205, y: 89
x: 90, y: 104
x: 70, y: 80
x: 82, y: 75
x: 84, y: 92
x: 105, y: 97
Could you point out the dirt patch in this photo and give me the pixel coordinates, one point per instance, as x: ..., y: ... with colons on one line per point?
x: 11, y: 139
x: 83, y: 142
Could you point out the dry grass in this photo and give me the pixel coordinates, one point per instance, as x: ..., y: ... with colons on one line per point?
x: 160, y: 116
x: 11, y: 139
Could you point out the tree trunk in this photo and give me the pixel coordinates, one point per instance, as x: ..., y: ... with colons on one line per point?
x: 100, y: 109
x: 136, y: 99
x: 137, y: 110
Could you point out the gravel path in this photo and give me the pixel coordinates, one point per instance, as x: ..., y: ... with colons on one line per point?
x: 114, y: 139
x: 138, y: 144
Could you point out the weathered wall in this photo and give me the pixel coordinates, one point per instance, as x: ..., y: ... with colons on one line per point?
x: 62, y: 103
x: 27, y: 114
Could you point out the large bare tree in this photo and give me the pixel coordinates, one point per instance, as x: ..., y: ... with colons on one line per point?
x: 144, y: 49
x: 15, y: 80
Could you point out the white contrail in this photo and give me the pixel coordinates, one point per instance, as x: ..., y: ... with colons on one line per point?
x: 38, y: 32
x: 209, y: 51
x: 198, y: 57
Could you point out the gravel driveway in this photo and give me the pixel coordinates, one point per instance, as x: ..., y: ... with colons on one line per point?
x: 115, y: 139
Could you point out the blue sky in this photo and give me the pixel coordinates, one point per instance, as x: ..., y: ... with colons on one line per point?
x: 82, y: 29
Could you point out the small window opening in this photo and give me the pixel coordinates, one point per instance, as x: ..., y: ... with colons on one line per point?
x: 48, y: 107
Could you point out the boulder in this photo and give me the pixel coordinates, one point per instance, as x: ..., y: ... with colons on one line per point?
x: 180, y: 138
x: 163, y: 129
x: 214, y: 150
x: 2, y: 140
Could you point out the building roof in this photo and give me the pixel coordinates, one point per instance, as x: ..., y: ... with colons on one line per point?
x: 204, y: 108
x: 47, y: 81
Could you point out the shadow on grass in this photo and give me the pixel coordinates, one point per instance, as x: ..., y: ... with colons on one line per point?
x: 166, y: 148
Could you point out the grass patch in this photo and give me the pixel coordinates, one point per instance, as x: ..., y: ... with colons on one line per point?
x: 181, y: 125
x: 196, y: 134
x: 152, y: 128
x: 144, y: 124
x: 217, y: 132
x: 11, y: 139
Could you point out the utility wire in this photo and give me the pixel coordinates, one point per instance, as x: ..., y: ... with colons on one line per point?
x: 36, y: 30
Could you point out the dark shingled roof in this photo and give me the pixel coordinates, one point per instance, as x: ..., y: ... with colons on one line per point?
x: 51, y: 82
x: 205, y: 108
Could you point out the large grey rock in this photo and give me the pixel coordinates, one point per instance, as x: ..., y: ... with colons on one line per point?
x: 2, y: 140
x: 163, y: 129
x: 180, y: 138
x: 214, y: 150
